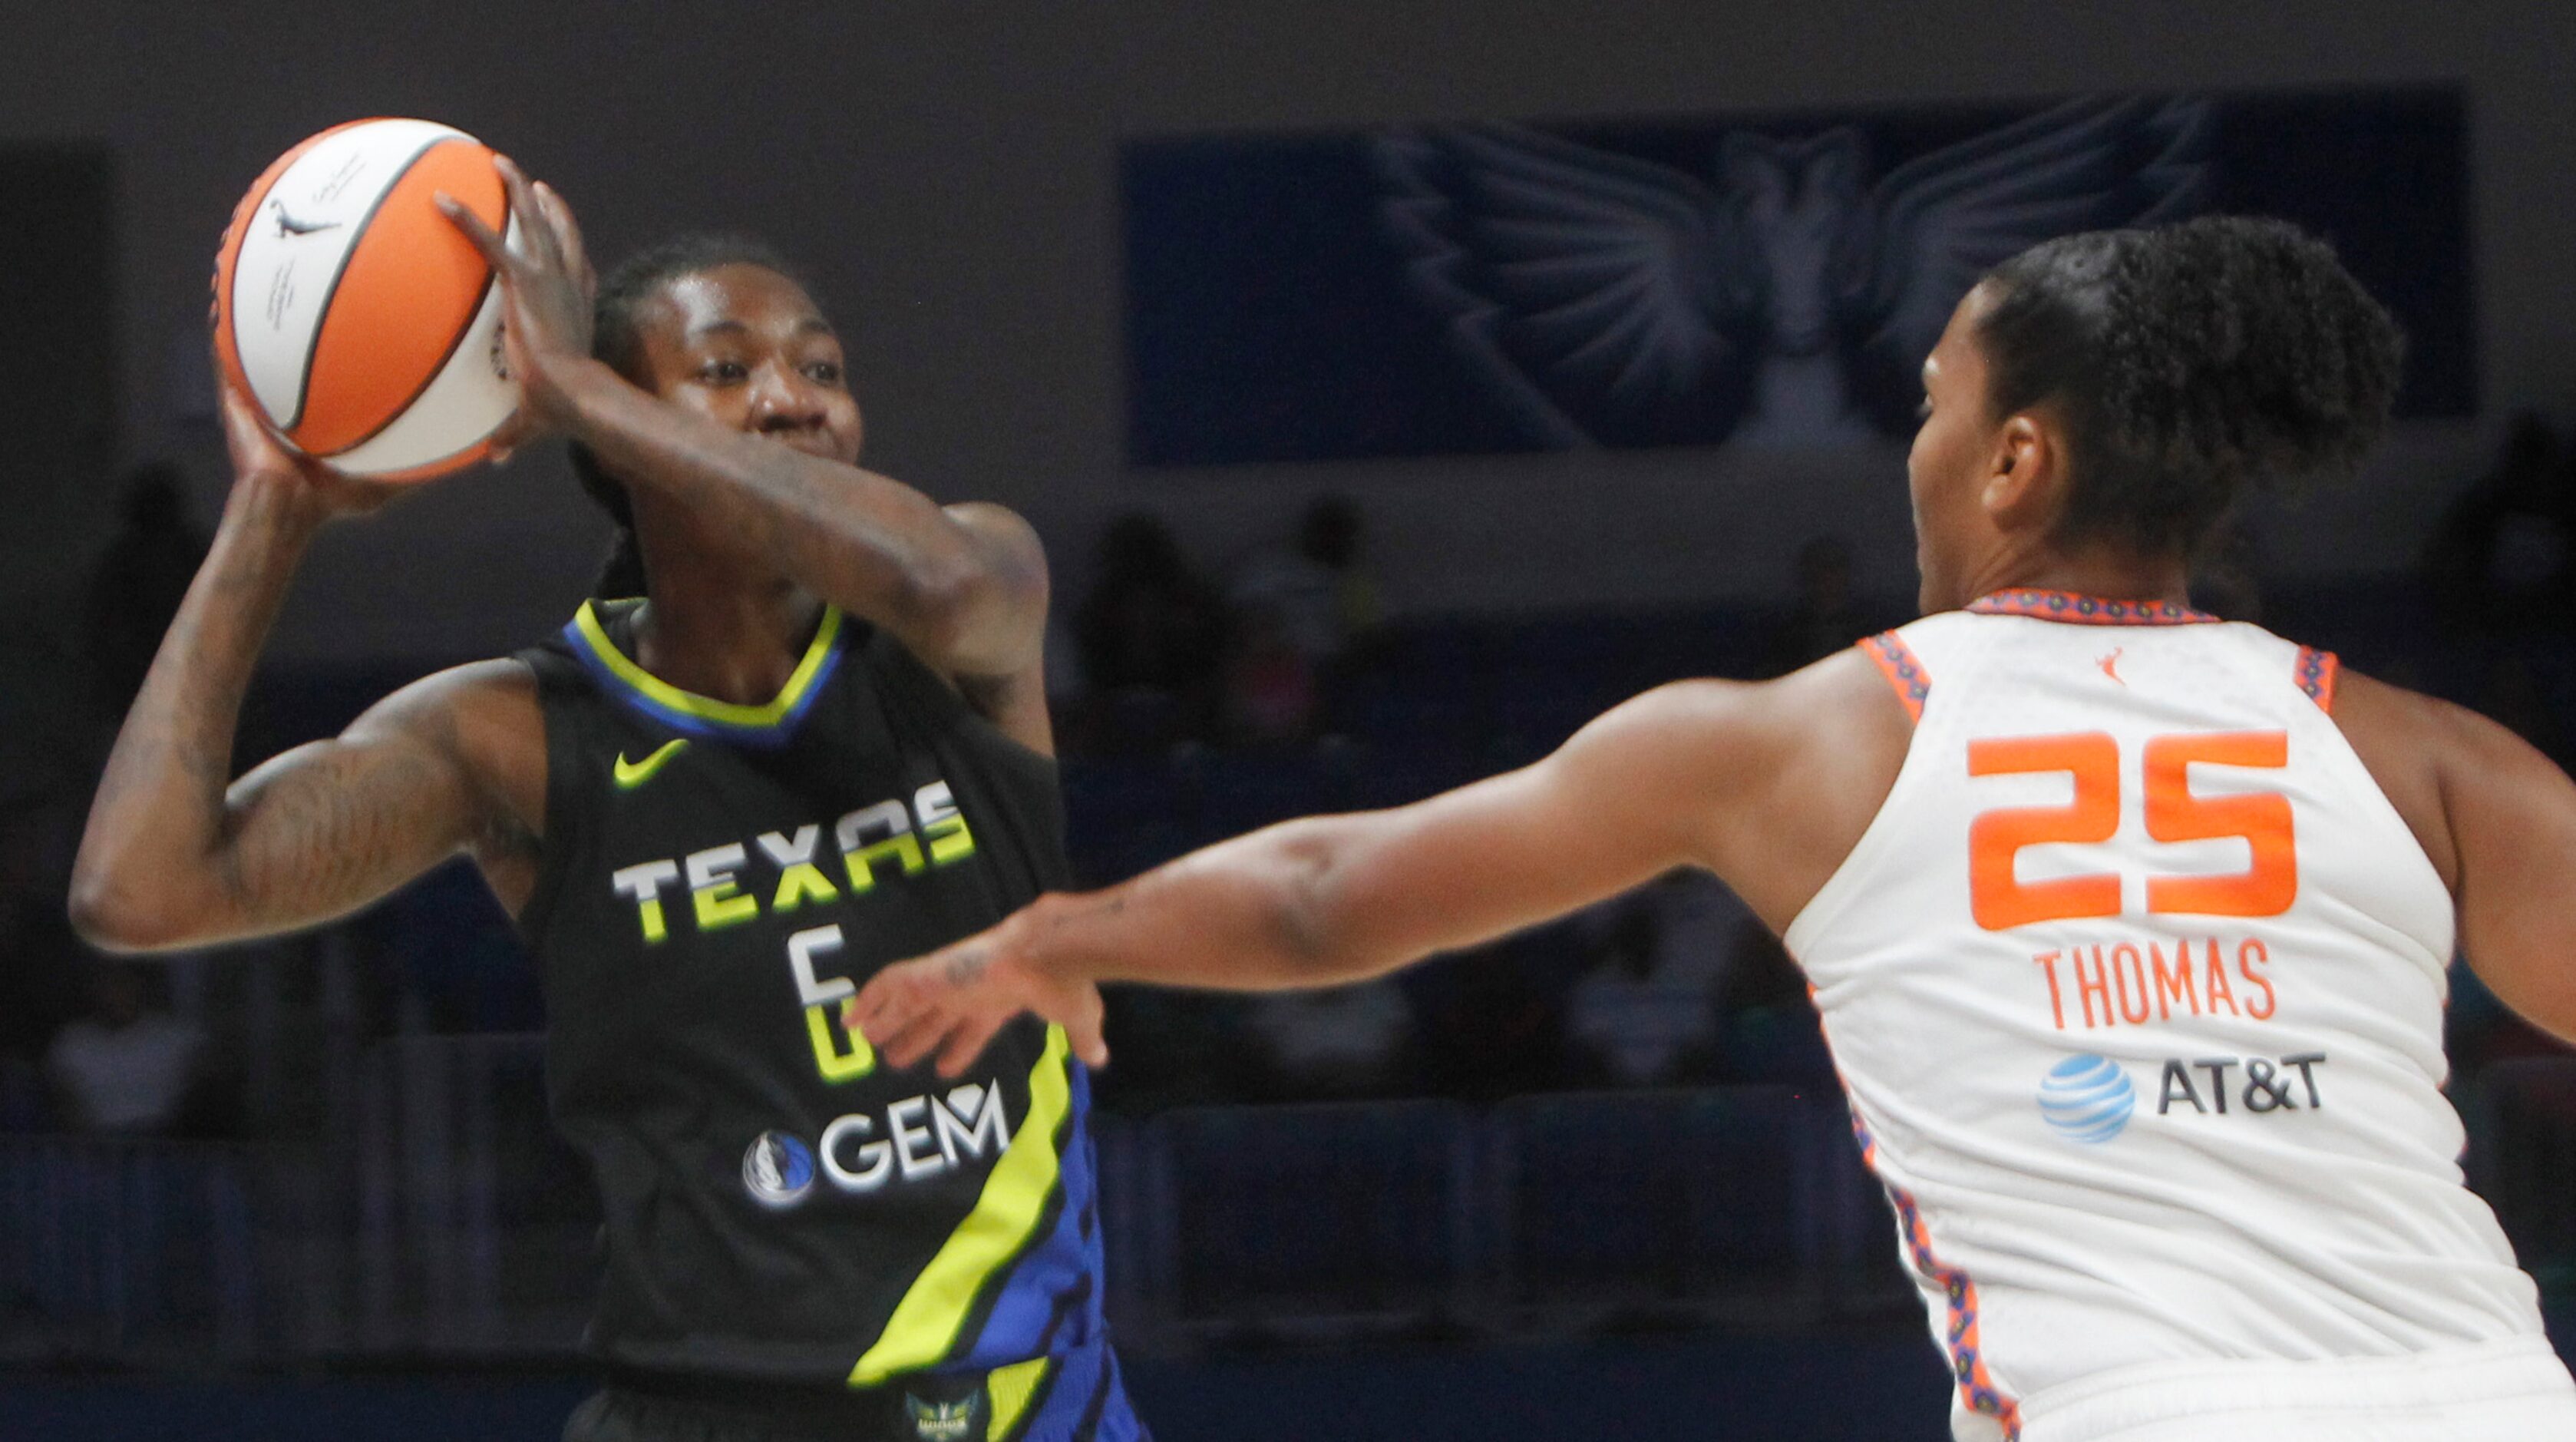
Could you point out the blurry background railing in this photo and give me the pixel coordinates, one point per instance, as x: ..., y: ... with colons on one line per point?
x: 452, y: 1222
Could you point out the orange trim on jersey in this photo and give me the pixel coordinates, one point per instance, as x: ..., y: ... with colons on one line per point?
x: 1967, y: 1358
x: 2316, y: 676
x: 2087, y: 610
x: 1977, y: 1389
x: 1898, y: 663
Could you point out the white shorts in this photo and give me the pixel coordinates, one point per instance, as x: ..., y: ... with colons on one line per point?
x: 2510, y: 1391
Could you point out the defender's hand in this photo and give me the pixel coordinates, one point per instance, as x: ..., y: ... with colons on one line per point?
x: 952, y: 1001
x: 546, y: 288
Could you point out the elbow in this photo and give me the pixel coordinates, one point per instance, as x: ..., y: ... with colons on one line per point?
x: 1302, y: 914
x: 964, y: 614
x: 115, y: 916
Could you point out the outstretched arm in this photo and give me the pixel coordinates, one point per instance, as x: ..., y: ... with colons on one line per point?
x: 174, y: 857
x: 2512, y: 826
x: 1662, y: 781
x: 963, y: 587
x: 2497, y: 819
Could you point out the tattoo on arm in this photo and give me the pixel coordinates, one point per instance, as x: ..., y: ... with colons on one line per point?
x: 968, y: 966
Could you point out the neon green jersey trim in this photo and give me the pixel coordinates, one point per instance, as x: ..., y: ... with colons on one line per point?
x: 925, y: 1323
x: 1012, y: 1388
x: 707, y: 708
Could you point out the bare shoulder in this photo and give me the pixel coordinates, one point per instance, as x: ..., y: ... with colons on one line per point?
x: 485, y: 719
x: 1005, y: 532
x: 2436, y: 760
x: 1777, y: 779
x: 494, y: 701
x: 1817, y: 710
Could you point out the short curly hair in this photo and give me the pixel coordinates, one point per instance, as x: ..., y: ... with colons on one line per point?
x: 2191, y: 363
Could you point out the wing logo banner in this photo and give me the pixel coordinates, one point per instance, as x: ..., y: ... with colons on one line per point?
x: 1494, y: 286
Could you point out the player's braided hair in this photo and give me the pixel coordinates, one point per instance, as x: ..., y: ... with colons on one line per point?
x: 617, y: 338
x: 2192, y: 362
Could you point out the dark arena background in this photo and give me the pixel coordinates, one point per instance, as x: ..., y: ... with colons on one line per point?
x: 1338, y: 517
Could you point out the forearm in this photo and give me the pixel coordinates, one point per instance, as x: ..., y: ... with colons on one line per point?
x: 156, y: 827
x: 871, y: 545
x: 1263, y: 912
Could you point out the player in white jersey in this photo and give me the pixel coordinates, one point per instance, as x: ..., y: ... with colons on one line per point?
x: 2129, y: 927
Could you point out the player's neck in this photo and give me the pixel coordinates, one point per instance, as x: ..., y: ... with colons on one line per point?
x: 721, y: 638
x: 2109, y: 573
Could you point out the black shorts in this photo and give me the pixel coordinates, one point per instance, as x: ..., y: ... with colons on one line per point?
x: 1078, y: 1398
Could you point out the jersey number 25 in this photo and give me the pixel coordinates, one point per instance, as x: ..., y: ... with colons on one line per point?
x: 2000, y: 900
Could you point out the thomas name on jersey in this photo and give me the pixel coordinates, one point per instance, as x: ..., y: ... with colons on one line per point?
x: 2094, y: 985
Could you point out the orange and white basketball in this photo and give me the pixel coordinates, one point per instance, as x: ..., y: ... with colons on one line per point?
x: 365, y: 325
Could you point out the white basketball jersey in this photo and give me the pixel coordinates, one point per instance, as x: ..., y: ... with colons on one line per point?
x: 2136, y: 986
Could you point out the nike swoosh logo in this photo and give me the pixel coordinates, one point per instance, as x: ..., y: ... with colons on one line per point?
x: 631, y: 774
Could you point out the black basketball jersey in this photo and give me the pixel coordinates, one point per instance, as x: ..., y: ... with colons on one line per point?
x: 717, y: 880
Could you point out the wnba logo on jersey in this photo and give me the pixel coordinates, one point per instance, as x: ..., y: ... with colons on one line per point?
x: 777, y: 1169
x: 2087, y: 1098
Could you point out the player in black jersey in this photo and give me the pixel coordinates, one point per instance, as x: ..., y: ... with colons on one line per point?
x: 815, y: 743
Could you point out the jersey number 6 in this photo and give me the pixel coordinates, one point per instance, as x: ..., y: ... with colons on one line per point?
x: 2001, y: 901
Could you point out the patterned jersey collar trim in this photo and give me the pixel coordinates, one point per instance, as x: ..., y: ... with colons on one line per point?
x: 2087, y: 610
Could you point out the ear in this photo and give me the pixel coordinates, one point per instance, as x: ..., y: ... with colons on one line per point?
x: 2027, y: 475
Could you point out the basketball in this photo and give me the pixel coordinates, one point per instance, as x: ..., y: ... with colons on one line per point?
x: 364, y: 325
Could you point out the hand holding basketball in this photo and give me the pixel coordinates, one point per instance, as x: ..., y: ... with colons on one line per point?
x: 546, y: 285
x: 259, y: 457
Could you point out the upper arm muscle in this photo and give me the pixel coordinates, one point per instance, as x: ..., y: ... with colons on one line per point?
x: 1625, y: 800
x: 328, y: 827
x: 2511, y: 817
x: 2496, y: 818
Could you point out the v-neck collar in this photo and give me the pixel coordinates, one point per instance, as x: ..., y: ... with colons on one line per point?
x: 768, y: 724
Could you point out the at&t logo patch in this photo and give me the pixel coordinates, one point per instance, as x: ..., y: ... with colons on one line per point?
x: 2087, y: 1098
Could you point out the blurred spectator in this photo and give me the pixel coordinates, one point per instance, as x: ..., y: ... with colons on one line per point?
x: 1343, y: 1041
x: 140, y: 581
x: 1827, y: 616
x: 1646, y: 1014
x: 2500, y: 557
x: 1773, y: 1033
x: 129, y: 1067
x: 1316, y: 594
x: 1272, y: 687
x: 1151, y: 636
x: 1303, y: 616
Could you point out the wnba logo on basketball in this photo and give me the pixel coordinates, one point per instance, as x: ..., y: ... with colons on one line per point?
x: 2087, y: 1098
x: 777, y: 1169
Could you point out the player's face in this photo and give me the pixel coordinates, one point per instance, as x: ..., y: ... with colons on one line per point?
x: 1954, y: 451
x: 746, y: 347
